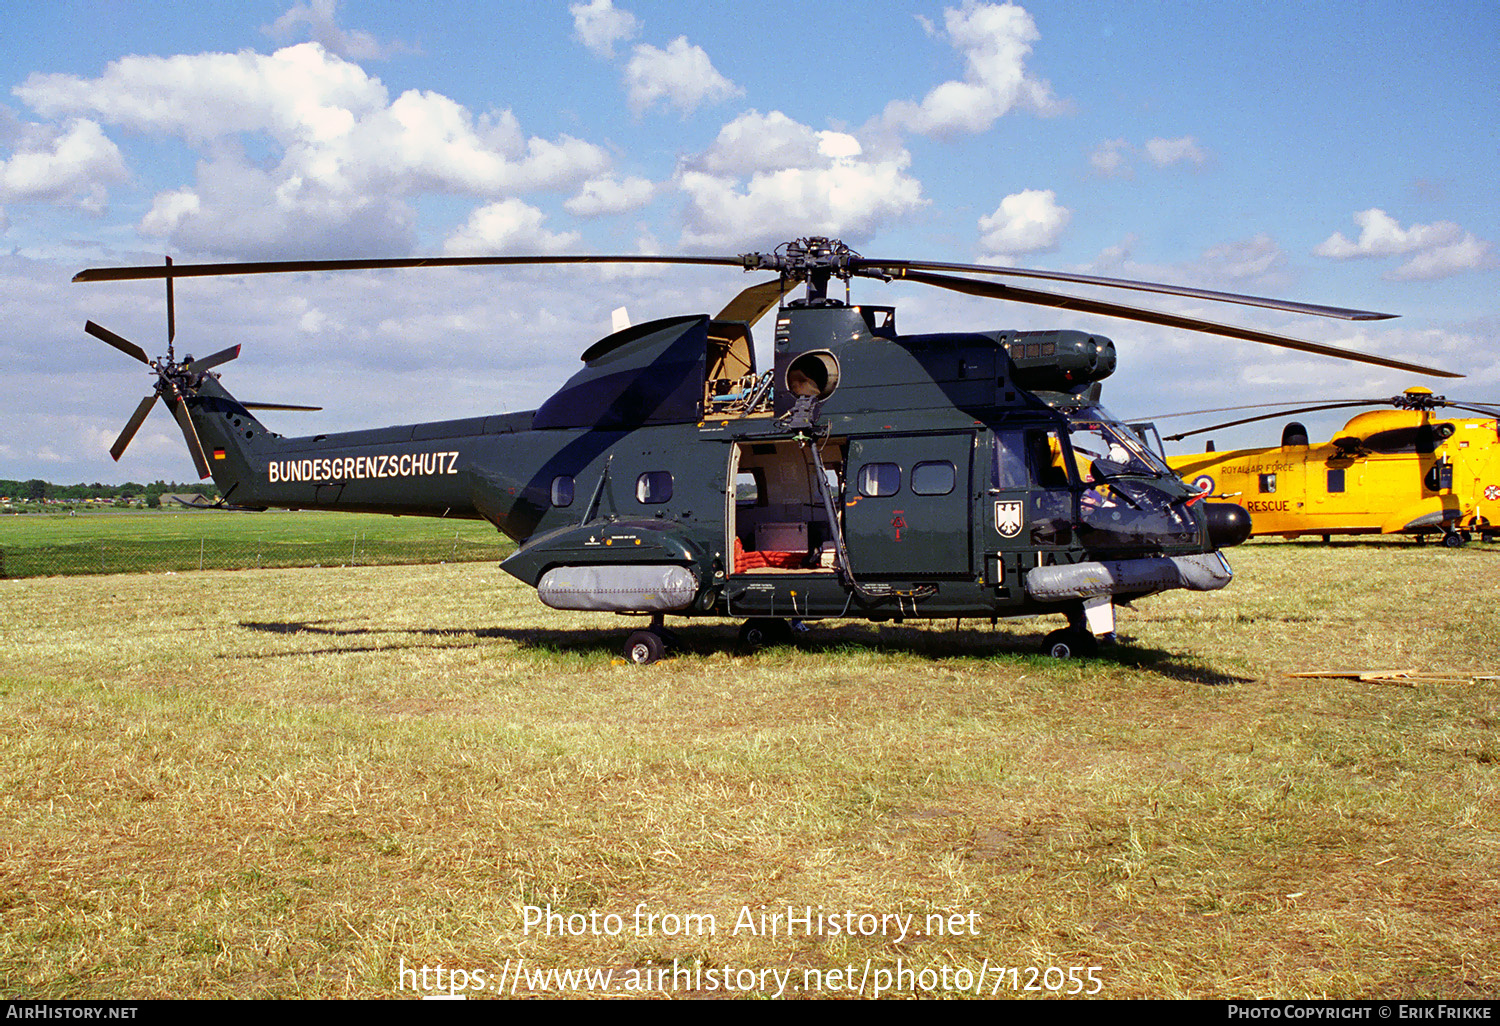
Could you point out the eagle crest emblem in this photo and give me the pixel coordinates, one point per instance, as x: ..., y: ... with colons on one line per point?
x: 1008, y: 518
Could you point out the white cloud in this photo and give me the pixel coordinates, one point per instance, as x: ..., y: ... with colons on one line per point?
x: 1110, y: 157
x: 760, y: 142
x: 1381, y: 235
x: 767, y: 178
x: 770, y: 142
x: 1258, y: 259
x: 236, y: 207
x: 345, y: 156
x: 170, y: 211
x: 1464, y: 254
x: 1025, y: 222
x: 681, y: 76
x: 1246, y: 259
x: 72, y: 165
x: 995, y: 40
x: 1438, y: 250
x: 1165, y: 152
x: 508, y: 226
x: 599, y: 25
x: 318, y: 17
x: 602, y: 196
x: 298, y: 95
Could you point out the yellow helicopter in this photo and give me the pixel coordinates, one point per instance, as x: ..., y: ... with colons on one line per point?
x: 1410, y: 469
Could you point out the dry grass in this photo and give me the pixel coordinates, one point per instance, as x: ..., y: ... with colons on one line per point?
x: 291, y: 783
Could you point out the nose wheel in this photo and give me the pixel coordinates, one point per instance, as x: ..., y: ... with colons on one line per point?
x: 1070, y: 644
x: 1088, y: 622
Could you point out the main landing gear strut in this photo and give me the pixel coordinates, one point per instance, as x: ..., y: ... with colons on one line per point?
x: 1089, y: 623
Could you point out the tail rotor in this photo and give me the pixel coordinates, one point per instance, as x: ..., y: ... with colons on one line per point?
x: 176, y: 382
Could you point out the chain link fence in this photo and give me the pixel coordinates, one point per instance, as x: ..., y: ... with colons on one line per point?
x: 128, y: 556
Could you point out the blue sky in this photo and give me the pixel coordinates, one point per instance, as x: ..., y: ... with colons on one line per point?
x: 1339, y: 153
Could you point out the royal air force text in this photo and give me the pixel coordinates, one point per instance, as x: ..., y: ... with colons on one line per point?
x: 360, y: 468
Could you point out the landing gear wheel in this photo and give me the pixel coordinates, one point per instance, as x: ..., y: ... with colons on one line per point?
x: 763, y: 631
x: 1453, y: 540
x: 1069, y: 644
x: 644, y: 647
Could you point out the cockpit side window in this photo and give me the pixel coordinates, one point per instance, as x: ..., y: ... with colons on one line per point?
x: 1008, y: 468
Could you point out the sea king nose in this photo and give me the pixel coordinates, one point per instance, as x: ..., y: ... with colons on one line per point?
x: 1228, y: 523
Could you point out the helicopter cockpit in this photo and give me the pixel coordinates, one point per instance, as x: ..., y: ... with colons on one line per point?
x: 1095, y: 479
x: 1127, y: 495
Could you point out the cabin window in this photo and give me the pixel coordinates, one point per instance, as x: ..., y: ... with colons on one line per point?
x: 562, y: 491
x: 747, y: 489
x: 935, y: 478
x: 1335, y: 481
x: 879, y: 479
x: 1267, y: 483
x: 654, y: 486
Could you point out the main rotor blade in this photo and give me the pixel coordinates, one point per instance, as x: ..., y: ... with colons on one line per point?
x: 1315, y: 309
x: 132, y: 426
x: 753, y: 303
x: 996, y: 290
x: 1248, y: 406
x: 1273, y: 416
x: 1473, y: 408
x: 171, y: 306
x: 292, y: 266
x: 190, y: 433
x: 222, y: 356
x: 124, y: 345
x: 277, y: 406
x: 1325, y: 405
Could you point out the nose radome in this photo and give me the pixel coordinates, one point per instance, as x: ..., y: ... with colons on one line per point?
x: 1228, y: 524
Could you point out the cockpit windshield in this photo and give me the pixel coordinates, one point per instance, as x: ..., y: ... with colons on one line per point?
x: 1096, y: 435
x: 1129, y: 496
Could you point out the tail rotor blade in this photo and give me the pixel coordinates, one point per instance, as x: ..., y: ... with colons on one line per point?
x: 222, y: 356
x: 132, y: 426
x: 200, y: 461
x: 124, y: 345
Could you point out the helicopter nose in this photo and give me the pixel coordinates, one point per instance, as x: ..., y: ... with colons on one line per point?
x: 1228, y: 523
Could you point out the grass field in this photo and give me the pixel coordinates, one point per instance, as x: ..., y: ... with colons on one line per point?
x: 322, y: 782
x: 103, y: 542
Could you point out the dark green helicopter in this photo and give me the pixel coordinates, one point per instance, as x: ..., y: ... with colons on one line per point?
x: 867, y: 474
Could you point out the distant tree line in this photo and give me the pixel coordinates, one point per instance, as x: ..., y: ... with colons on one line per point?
x: 37, y: 490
